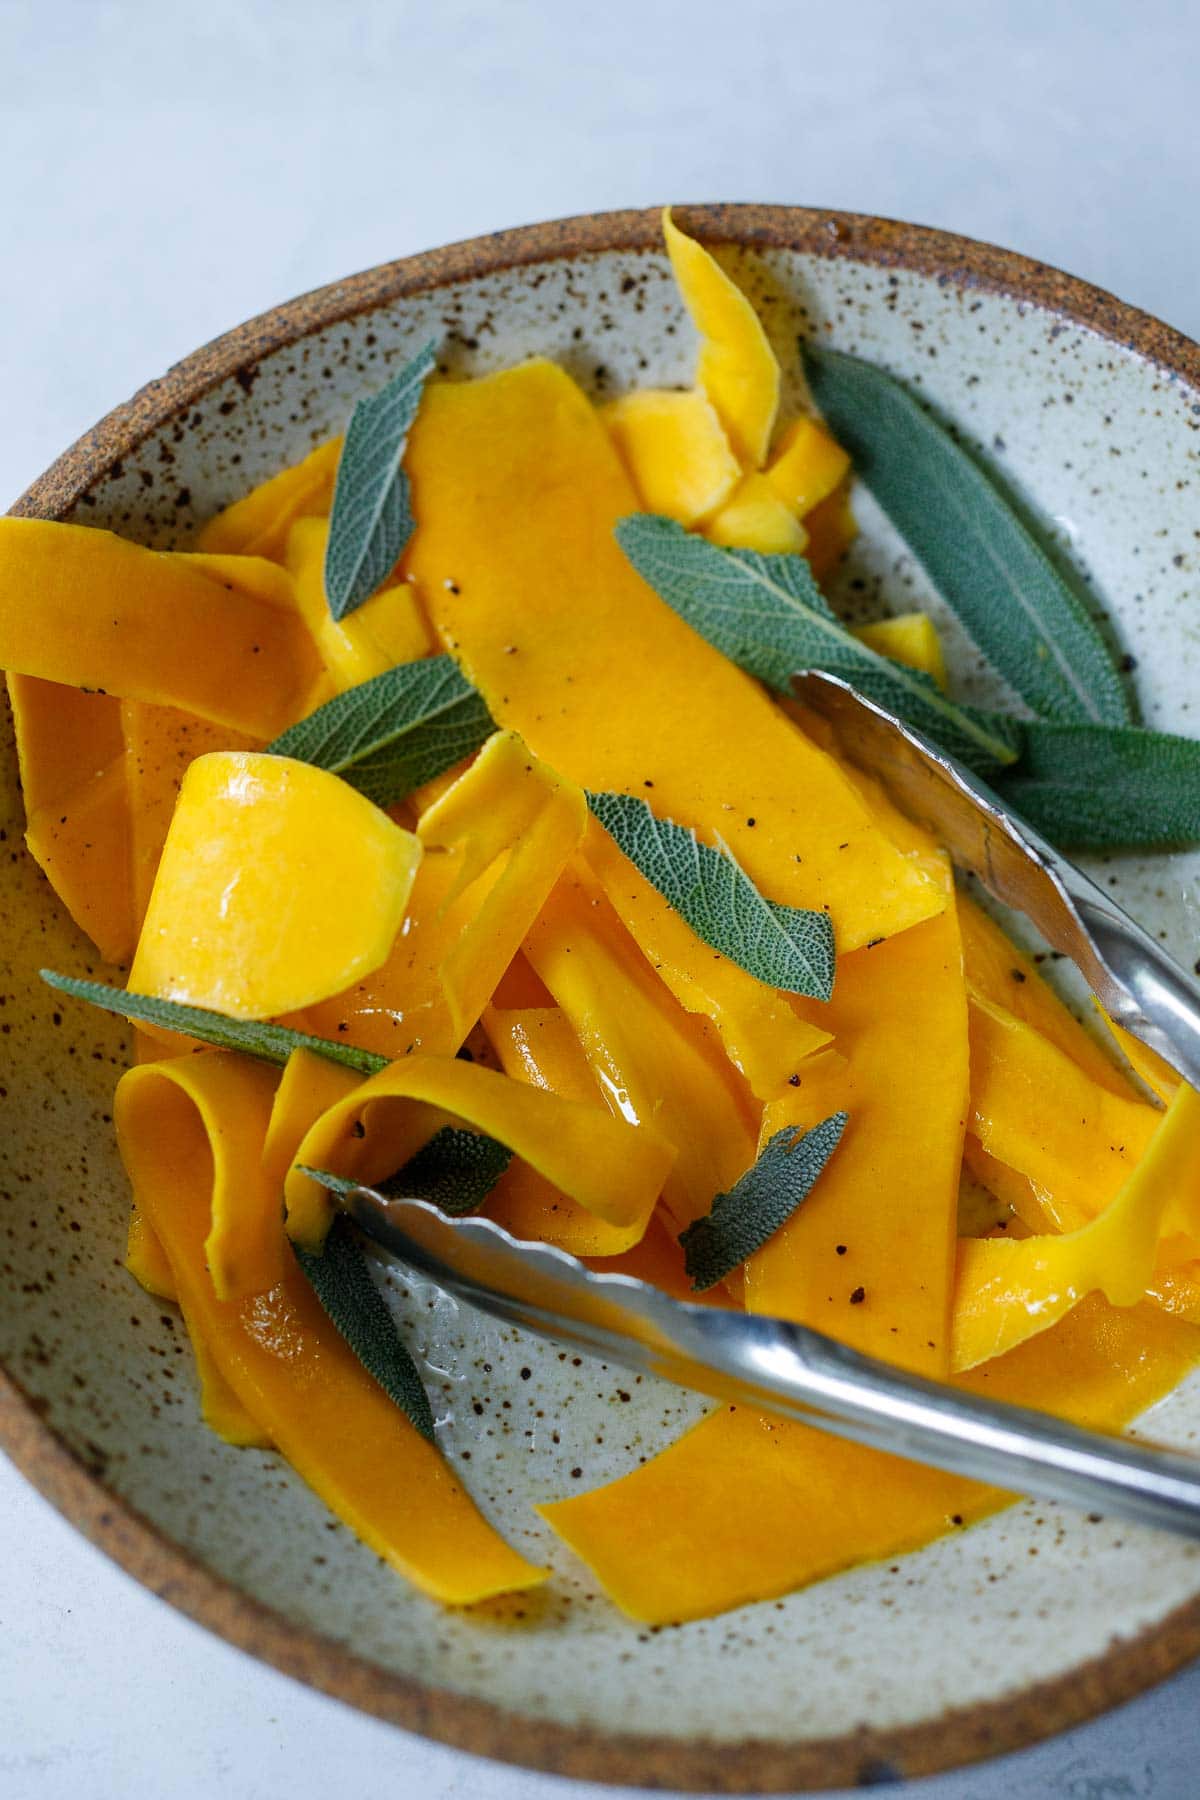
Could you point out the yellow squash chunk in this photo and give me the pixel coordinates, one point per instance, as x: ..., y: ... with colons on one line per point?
x: 146, y: 625
x: 82, y: 844
x: 612, y: 1168
x: 755, y: 518
x: 506, y: 802
x: 831, y: 528
x: 745, y: 1507
x: 869, y: 1256
x: 388, y: 629
x: 909, y: 638
x: 675, y: 450
x: 736, y: 367
x: 258, y: 523
x: 1000, y: 973
x: 1008, y: 1290
x: 763, y: 1034
x: 293, y: 1373
x: 536, y: 1044
x: 654, y: 1062
x: 1035, y: 1109
x: 807, y: 466
x: 518, y: 489
x: 161, y: 743
x: 70, y: 755
x: 279, y: 884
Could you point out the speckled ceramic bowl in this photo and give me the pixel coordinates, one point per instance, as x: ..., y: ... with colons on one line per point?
x: 1018, y: 1628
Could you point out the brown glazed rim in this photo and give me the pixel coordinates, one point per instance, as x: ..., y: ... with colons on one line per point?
x: 866, y: 1755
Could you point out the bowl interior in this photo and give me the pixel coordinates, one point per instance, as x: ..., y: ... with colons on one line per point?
x: 1102, y: 448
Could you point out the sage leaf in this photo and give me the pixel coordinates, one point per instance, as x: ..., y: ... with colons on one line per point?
x: 388, y: 735
x: 341, y: 1280
x: 765, y: 1198
x: 455, y: 1171
x: 371, y: 520
x: 977, y: 552
x: 767, y: 614
x: 784, y: 946
x: 271, y: 1043
x: 1104, y: 787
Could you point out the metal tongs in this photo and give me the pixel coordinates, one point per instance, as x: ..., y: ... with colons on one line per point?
x: 802, y: 1374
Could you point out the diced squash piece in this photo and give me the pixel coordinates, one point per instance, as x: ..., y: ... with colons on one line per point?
x: 506, y: 801
x: 764, y: 1035
x: 807, y: 466
x: 908, y: 638
x: 675, y: 450
x: 654, y: 1062
x: 755, y: 518
x: 611, y: 1167
x: 518, y: 490
x: 161, y: 743
x: 869, y: 1256
x: 536, y: 1044
x: 736, y: 367
x: 292, y: 1372
x: 745, y: 1507
x: 389, y: 628
x: 146, y: 625
x: 259, y: 522
x: 1008, y: 1290
x: 831, y: 528
x: 279, y: 884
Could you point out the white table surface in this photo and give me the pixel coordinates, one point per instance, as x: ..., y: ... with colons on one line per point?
x: 170, y: 169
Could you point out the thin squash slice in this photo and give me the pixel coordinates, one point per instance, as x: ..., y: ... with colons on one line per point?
x: 258, y: 524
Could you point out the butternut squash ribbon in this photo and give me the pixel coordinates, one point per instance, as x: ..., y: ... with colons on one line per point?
x: 612, y: 1168
x: 288, y: 1367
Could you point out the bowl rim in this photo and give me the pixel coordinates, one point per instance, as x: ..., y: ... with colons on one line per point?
x: 78, y: 1489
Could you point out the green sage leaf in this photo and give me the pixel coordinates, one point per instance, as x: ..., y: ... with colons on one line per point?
x: 342, y: 1282
x: 784, y: 946
x: 1106, y: 787
x: 767, y: 614
x: 455, y: 1171
x: 272, y: 1043
x: 388, y: 735
x: 765, y: 1198
x: 371, y: 521
x: 979, y: 555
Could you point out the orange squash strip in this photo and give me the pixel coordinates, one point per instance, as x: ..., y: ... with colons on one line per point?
x: 82, y: 845
x: 65, y: 737
x: 869, y: 1256
x: 390, y: 628
x: 220, y: 1407
x: 655, y: 1063
x: 536, y: 1044
x: 745, y: 1507
x: 258, y: 523
x: 146, y: 1259
x: 765, y: 1037
x: 1146, y: 1063
x: 1008, y: 1290
x: 613, y: 1168
x: 294, y: 1374
x: 146, y: 625
x: 518, y: 489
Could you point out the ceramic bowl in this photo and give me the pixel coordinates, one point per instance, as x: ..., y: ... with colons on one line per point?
x: 1016, y: 1629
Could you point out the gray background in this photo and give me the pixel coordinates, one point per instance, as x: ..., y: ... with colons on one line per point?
x: 169, y: 170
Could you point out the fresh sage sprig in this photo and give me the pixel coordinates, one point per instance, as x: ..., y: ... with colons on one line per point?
x: 371, y: 521
x: 767, y: 614
x: 341, y: 1280
x: 1102, y: 787
x: 388, y: 735
x: 979, y: 555
x: 755, y: 1207
x: 253, y: 1037
x: 784, y: 946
